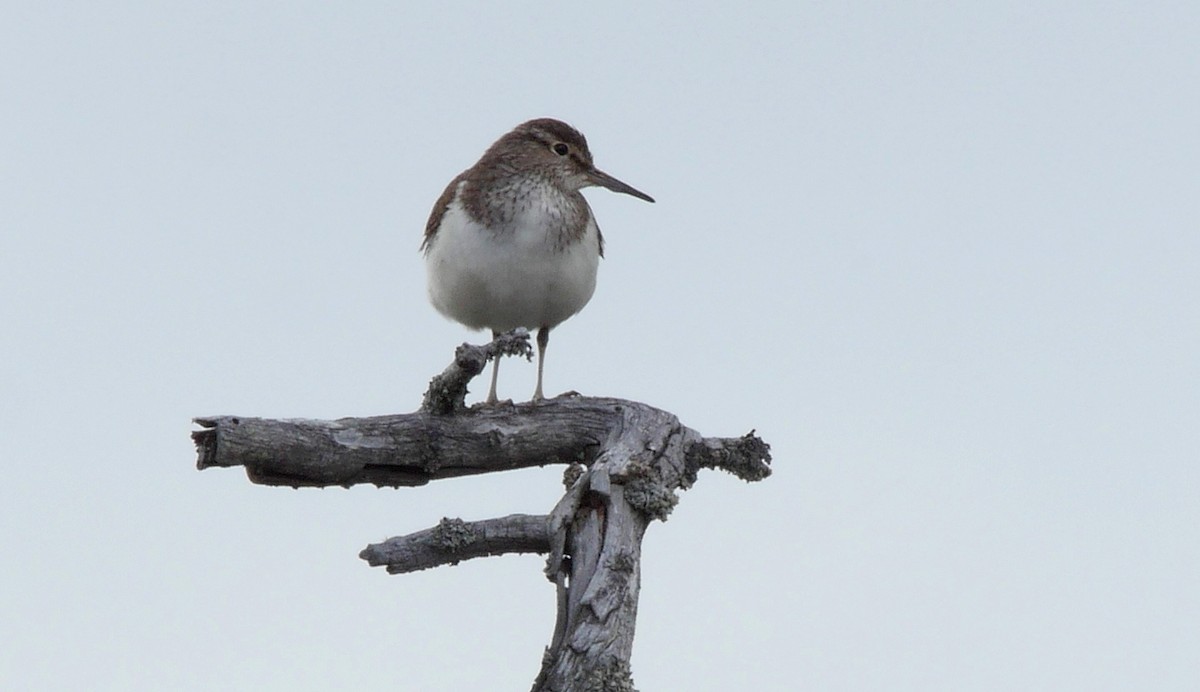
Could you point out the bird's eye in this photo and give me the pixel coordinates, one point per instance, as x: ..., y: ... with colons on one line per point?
x: 561, y: 149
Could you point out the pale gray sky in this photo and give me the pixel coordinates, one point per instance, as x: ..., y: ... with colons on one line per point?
x: 943, y: 257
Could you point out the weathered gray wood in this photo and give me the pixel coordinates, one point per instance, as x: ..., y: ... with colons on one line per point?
x: 632, y: 482
x: 447, y: 392
x: 406, y: 449
x: 455, y: 540
x: 414, y: 448
x: 626, y: 462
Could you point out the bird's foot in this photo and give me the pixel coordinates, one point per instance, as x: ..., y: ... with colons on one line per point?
x: 494, y: 403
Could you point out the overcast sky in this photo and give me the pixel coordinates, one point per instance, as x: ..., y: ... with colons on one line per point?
x: 943, y: 257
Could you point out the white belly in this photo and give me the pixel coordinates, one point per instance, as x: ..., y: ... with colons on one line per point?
x: 519, y: 278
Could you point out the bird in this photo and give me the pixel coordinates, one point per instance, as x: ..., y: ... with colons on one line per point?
x: 512, y: 242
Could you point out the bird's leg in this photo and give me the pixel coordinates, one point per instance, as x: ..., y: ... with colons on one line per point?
x: 491, y: 397
x: 543, y: 338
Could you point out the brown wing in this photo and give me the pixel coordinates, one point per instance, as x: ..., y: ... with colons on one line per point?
x: 599, y: 235
x: 439, y: 210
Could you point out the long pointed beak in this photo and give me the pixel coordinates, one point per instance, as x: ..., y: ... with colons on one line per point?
x: 603, y: 179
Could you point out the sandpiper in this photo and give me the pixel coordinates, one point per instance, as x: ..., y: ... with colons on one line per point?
x: 512, y: 243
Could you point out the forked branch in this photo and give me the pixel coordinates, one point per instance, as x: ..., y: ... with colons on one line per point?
x: 626, y: 463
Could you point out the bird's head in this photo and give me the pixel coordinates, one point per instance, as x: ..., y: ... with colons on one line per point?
x: 557, y: 151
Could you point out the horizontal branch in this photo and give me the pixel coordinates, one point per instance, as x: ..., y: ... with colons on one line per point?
x: 407, y: 449
x: 413, y: 449
x: 748, y: 457
x: 455, y: 540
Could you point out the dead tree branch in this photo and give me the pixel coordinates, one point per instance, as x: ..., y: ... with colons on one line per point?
x: 626, y: 463
x: 455, y: 540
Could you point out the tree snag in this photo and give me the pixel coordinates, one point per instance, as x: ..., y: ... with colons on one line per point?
x: 624, y: 461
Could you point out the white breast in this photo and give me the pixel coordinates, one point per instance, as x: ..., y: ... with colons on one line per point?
x: 518, y: 277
